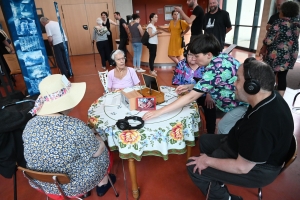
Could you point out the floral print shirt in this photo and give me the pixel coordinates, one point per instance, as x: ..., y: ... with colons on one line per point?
x: 282, y: 44
x: 63, y: 144
x: 218, y: 79
x: 184, y: 74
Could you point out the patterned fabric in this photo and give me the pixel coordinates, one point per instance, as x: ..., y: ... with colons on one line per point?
x: 184, y: 75
x: 63, y: 144
x: 161, y: 136
x: 50, y: 97
x: 218, y: 79
x: 100, y: 30
x: 282, y: 44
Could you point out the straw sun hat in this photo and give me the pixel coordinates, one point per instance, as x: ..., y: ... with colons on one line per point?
x: 57, y: 94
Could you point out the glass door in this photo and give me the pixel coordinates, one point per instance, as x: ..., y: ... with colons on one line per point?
x: 245, y: 17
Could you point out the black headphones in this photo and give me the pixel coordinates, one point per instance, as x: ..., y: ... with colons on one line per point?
x: 123, y: 124
x: 251, y: 86
x: 112, y: 60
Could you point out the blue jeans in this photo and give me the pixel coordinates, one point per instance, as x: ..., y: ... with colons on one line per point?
x: 137, y: 53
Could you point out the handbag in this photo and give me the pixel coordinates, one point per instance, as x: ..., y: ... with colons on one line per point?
x: 145, y: 38
x: 182, y: 38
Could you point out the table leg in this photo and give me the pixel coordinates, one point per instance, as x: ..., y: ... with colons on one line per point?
x: 189, y: 151
x: 132, y: 172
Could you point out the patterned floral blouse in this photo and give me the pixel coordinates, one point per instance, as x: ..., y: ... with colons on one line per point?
x: 184, y: 75
x: 218, y: 79
x: 282, y: 44
x: 62, y: 144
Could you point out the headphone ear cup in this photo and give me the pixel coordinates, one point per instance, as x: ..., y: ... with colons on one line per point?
x: 251, y: 86
x: 112, y: 61
x: 122, y: 124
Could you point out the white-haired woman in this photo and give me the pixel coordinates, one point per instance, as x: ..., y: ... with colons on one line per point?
x: 100, y: 35
x: 122, y: 76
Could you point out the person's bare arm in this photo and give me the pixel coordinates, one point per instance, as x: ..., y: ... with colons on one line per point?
x: 179, y: 103
x: 127, y: 30
x: 234, y: 166
x: 140, y: 30
x: 151, y: 34
x: 189, y: 20
x: 9, y: 46
x: 112, y: 22
x: 50, y: 40
x: 101, y: 147
x: 228, y: 29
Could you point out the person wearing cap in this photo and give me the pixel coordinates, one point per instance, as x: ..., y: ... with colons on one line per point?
x: 57, y: 143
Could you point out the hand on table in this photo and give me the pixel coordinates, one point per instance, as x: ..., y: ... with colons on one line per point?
x: 199, y: 162
x: 151, y: 114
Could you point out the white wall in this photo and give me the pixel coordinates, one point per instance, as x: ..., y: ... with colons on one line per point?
x: 124, y: 7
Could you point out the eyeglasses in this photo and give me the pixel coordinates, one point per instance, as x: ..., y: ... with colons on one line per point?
x: 121, y: 59
x: 191, y: 55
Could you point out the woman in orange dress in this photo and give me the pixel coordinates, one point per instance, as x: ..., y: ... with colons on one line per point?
x: 178, y: 28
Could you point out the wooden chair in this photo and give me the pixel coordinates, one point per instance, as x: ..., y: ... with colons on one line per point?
x: 103, y: 79
x: 290, y: 158
x: 54, y: 178
x: 13, y: 64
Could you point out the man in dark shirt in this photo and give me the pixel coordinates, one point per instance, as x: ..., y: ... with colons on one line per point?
x: 124, y: 32
x: 217, y: 22
x: 252, y: 154
x: 276, y: 15
x: 196, y: 19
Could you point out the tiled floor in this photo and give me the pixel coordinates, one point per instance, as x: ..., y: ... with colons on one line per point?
x: 157, y: 179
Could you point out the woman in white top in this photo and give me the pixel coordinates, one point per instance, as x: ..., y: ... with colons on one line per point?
x: 153, y: 40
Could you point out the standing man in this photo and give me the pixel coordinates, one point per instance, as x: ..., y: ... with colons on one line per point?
x: 217, y: 22
x: 56, y: 40
x: 252, y: 154
x: 124, y: 32
x: 276, y: 15
x: 196, y: 19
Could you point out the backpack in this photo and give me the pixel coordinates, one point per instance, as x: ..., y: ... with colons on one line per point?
x: 145, y: 38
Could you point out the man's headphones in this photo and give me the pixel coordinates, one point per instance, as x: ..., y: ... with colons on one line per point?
x: 112, y: 56
x: 251, y: 86
x: 123, y: 124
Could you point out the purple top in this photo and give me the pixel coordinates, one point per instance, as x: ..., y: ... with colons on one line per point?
x: 129, y: 80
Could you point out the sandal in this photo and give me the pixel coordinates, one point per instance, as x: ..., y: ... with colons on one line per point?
x: 153, y: 73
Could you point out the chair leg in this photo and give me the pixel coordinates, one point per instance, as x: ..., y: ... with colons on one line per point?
x: 259, y: 193
x: 15, y: 185
x: 112, y: 185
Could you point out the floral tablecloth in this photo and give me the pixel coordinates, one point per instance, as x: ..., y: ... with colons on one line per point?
x: 167, y: 134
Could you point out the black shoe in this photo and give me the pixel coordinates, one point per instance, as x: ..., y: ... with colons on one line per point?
x: 234, y: 197
x: 104, y: 188
x: 86, y: 194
